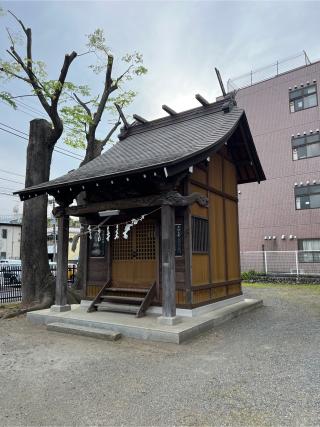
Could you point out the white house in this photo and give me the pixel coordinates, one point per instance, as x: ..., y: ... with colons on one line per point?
x: 10, y: 237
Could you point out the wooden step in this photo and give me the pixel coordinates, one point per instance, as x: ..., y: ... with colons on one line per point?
x: 129, y: 290
x: 117, y: 308
x: 121, y: 299
x: 86, y: 331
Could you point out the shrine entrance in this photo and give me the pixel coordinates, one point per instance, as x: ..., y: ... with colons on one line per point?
x: 135, y: 260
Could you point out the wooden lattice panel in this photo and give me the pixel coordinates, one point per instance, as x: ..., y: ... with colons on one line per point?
x: 145, y: 241
x: 122, y: 249
x: 141, y: 243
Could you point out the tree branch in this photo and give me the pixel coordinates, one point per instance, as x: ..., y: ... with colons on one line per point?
x: 123, y: 74
x: 63, y: 74
x: 19, y: 21
x: 33, y: 79
x: 15, y: 75
x: 83, y: 104
x: 106, y: 92
x: 28, y: 34
x: 21, y: 96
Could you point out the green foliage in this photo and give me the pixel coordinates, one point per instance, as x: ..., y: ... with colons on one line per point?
x: 97, y: 43
x: 77, y: 119
x: 249, y: 275
x: 7, y: 97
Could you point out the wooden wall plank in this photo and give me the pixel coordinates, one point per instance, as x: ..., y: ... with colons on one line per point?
x: 199, y: 175
x: 232, y: 240
x: 229, y: 178
x: 215, y: 171
x: 217, y: 241
x: 200, y: 269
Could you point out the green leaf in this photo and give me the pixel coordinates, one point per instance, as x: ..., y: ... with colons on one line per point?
x: 7, y: 97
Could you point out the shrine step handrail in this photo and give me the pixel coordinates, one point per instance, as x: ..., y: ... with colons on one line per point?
x: 147, y: 300
x: 98, y: 296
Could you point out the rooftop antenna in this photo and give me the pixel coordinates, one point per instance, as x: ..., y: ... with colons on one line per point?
x: 123, y: 117
x: 224, y: 93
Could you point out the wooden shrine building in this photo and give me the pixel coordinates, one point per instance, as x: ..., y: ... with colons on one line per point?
x: 161, y: 211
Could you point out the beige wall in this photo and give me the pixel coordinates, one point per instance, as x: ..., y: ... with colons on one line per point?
x: 10, y: 247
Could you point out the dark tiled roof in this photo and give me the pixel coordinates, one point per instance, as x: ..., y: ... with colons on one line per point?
x: 158, y: 143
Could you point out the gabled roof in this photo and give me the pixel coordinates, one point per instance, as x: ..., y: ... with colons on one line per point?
x: 165, y: 142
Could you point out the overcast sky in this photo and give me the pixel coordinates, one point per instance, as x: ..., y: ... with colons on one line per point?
x: 182, y: 42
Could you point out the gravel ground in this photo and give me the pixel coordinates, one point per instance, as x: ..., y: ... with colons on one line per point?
x: 259, y: 369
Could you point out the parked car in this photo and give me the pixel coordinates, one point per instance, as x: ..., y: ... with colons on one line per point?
x: 10, y: 274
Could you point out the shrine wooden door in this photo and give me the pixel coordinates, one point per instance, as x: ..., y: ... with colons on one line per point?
x: 134, y: 260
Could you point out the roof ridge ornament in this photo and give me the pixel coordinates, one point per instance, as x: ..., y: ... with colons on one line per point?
x: 224, y: 93
x: 202, y: 100
x: 140, y: 119
x: 169, y: 110
x: 228, y: 105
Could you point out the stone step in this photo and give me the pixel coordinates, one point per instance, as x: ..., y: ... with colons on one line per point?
x: 117, y: 308
x: 86, y: 331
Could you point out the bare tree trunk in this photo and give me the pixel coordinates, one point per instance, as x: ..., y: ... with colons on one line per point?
x: 37, y: 282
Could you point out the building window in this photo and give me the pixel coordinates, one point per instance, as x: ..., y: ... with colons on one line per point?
x: 97, y: 244
x: 303, y: 98
x: 307, y: 197
x: 309, y: 250
x: 200, y: 240
x: 3, y: 255
x: 179, y: 239
x: 305, y: 146
x: 4, y: 233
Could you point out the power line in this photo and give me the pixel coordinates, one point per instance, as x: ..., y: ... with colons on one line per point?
x: 26, y: 139
x: 11, y: 173
x: 40, y: 114
x: 8, y: 189
x: 11, y: 180
x: 24, y: 133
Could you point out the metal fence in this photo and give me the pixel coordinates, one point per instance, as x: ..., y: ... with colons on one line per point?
x: 10, y: 281
x: 295, y: 263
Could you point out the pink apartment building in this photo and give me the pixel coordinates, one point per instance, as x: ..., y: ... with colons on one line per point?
x: 283, y: 212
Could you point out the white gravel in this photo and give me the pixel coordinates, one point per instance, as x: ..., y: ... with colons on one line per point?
x: 259, y: 369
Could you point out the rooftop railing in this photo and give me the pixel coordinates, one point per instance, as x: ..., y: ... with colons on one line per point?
x: 268, y: 72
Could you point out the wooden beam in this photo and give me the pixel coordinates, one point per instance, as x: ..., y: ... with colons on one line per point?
x: 244, y: 136
x: 213, y: 190
x: 187, y: 242
x: 169, y: 110
x: 139, y: 119
x: 171, y: 198
x: 123, y: 117
x: 168, y: 261
x: 224, y: 93
x: 62, y: 265
x: 202, y: 100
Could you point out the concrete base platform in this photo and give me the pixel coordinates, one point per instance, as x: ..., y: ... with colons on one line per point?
x: 148, y: 327
x: 86, y: 331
